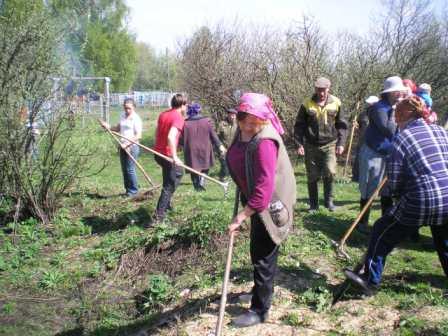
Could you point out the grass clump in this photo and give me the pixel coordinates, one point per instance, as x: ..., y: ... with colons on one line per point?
x: 318, y: 298
x: 159, y: 291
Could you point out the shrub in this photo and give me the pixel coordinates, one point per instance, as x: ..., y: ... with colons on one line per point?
x: 160, y: 291
x: 204, y: 225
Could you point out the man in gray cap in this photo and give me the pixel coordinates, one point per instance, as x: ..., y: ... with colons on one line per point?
x: 320, y: 132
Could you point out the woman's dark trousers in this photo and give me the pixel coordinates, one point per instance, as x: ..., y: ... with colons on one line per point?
x: 263, y: 253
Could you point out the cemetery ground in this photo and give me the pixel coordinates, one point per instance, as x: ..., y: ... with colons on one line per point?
x: 96, y: 270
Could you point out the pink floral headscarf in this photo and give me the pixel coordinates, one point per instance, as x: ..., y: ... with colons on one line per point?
x: 260, y: 106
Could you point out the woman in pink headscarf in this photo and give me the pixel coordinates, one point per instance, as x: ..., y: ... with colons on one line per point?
x: 260, y: 166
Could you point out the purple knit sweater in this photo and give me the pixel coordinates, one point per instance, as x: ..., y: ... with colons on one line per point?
x: 265, y: 161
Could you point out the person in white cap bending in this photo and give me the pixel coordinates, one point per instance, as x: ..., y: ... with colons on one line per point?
x: 377, y: 145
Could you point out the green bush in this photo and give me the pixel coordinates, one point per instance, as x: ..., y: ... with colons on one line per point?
x: 204, y: 225
x: 162, y: 232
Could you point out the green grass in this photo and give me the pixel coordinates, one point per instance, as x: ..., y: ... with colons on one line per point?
x: 97, y: 271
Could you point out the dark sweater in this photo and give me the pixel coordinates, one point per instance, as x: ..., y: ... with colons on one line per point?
x: 382, y: 127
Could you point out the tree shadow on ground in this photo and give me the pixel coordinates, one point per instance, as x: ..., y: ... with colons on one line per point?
x: 189, y: 308
x: 353, y: 205
x: 406, y: 283
x: 100, y: 225
x: 399, y: 282
x: 150, y: 325
x: 91, y: 195
x: 335, y: 228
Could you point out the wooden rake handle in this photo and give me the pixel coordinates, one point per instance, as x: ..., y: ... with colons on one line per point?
x: 222, y: 304
x: 224, y: 185
x: 349, y: 150
x: 363, y: 211
x: 139, y: 166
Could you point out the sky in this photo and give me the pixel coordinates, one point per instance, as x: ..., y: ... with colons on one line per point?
x: 163, y: 23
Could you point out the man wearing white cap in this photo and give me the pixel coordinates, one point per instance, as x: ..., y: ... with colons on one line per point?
x: 320, y: 132
x: 377, y: 144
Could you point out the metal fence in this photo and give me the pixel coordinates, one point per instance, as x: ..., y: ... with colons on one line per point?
x: 143, y: 98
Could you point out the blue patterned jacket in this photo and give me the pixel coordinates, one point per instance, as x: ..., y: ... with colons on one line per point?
x: 417, y: 170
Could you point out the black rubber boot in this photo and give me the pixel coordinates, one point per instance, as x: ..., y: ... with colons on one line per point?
x: 328, y: 194
x: 249, y: 318
x: 313, y: 196
x: 363, y: 225
x: 386, y: 204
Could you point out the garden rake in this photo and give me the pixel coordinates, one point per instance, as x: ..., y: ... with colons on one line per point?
x: 352, y: 133
x: 224, y: 185
x: 340, y: 246
x: 139, y: 166
x: 222, y: 304
x: 346, y: 284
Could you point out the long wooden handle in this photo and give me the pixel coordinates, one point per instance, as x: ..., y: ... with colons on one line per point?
x: 139, y: 166
x: 349, y: 150
x: 222, y: 304
x: 222, y: 184
x: 363, y: 211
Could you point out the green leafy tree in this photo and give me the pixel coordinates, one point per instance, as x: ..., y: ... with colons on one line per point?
x: 155, y: 71
x: 98, y: 41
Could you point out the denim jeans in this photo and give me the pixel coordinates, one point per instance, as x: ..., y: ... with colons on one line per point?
x: 171, y: 179
x: 387, y: 233
x: 128, y: 169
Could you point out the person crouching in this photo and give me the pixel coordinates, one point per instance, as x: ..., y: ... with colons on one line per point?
x: 418, y: 174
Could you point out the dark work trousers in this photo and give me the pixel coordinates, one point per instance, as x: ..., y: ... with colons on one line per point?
x: 199, y: 181
x: 387, y: 233
x: 171, y: 178
x: 224, y: 170
x: 263, y: 253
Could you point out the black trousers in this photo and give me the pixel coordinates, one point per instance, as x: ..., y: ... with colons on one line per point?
x: 171, y: 179
x: 263, y: 253
x: 199, y: 181
x: 224, y: 170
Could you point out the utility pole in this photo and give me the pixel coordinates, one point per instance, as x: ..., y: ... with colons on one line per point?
x: 167, y: 70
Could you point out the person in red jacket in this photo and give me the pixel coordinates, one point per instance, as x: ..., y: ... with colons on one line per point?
x: 169, y: 128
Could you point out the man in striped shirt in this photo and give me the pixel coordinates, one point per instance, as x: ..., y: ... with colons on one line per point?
x: 417, y: 170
